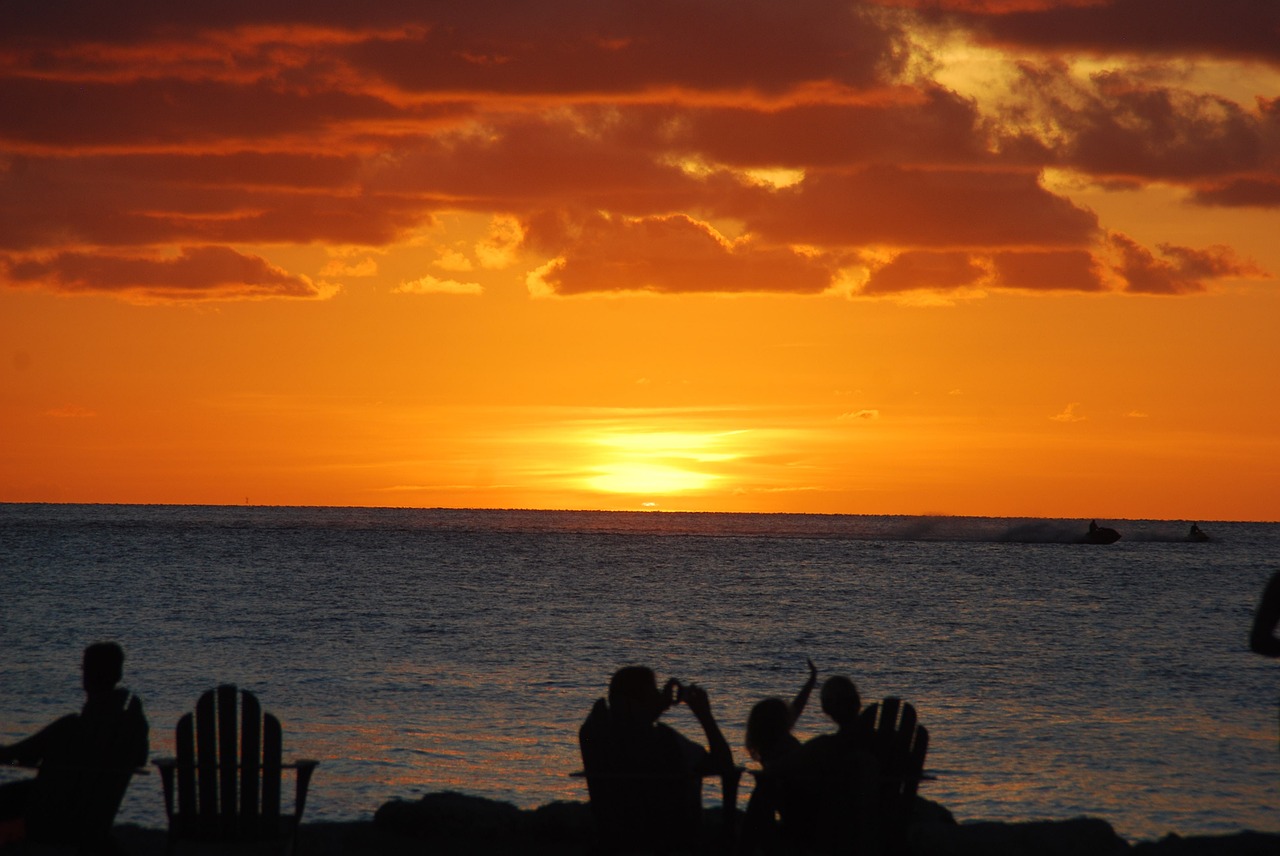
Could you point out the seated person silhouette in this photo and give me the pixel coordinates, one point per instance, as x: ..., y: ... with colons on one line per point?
x: 84, y: 760
x: 814, y: 788
x: 843, y: 706
x: 644, y: 778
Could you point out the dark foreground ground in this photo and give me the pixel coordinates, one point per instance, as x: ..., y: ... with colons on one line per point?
x: 445, y: 824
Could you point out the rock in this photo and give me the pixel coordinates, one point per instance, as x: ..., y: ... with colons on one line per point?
x: 560, y: 821
x: 448, y: 815
x: 925, y: 812
x: 1239, y: 844
x: 1082, y: 836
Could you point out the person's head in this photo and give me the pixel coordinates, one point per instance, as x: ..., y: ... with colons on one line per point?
x: 103, y: 667
x: 840, y: 700
x: 767, y: 724
x: 633, y: 691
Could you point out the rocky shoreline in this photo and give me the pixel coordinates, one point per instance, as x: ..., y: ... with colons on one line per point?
x: 447, y: 823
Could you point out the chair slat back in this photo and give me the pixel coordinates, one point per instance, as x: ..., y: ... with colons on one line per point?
x: 272, y: 745
x: 895, y: 736
x: 228, y: 772
x: 888, y: 719
x: 229, y: 767
x: 207, y: 769
x: 250, y: 760
x: 915, y: 765
x: 899, y: 743
x: 186, y: 769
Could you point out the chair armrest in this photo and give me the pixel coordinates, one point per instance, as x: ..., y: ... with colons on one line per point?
x: 305, y: 767
x: 134, y: 771
x: 171, y: 764
x: 167, y: 766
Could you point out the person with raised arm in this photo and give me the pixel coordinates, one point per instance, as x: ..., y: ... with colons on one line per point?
x: 811, y: 786
x: 769, y: 724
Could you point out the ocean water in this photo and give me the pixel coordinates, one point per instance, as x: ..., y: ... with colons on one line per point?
x: 421, y: 650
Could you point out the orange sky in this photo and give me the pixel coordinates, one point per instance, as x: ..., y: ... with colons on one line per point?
x: 998, y: 257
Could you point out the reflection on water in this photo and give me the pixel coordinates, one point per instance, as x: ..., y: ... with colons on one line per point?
x: 413, y: 651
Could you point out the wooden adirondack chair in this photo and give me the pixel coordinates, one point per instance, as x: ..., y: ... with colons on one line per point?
x: 224, y: 784
x: 899, y: 744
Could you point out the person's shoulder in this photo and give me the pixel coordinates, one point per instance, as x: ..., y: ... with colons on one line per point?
x: 597, y: 719
x: 664, y: 735
x: 133, y: 706
x: 822, y: 743
x: 665, y: 732
x: 125, y: 699
x: 821, y: 749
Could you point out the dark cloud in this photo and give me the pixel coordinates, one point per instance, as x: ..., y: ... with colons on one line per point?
x: 1122, y: 127
x: 915, y: 270
x: 1241, y: 29
x: 196, y: 273
x: 931, y: 126
x: 1242, y: 193
x: 614, y: 131
x: 924, y: 208
x: 158, y: 114
x: 670, y: 255
x: 1067, y: 270
x: 1182, y: 270
x: 577, y: 46
x: 494, y: 46
x: 520, y: 163
x: 48, y: 203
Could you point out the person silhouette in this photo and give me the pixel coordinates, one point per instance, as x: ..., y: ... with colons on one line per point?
x: 84, y: 759
x: 1262, y: 635
x: 769, y: 724
x: 644, y: 778
x: 841, y: 703
x: 810, y: 786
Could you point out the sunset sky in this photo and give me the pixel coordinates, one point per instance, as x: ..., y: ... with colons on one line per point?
x: 994, y: 257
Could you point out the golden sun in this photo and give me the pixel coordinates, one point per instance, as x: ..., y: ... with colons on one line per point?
x: 656, y: 463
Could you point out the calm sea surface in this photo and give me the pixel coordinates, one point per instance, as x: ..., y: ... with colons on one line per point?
x: 423, y: 650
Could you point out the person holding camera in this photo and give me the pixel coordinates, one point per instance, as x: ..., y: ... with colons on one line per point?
x: 644, y: 778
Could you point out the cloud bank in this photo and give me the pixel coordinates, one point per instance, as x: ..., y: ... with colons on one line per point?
x: 667, y: 147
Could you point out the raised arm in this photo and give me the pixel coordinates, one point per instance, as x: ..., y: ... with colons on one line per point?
x: 802, y: 697
x: 720, y: 757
